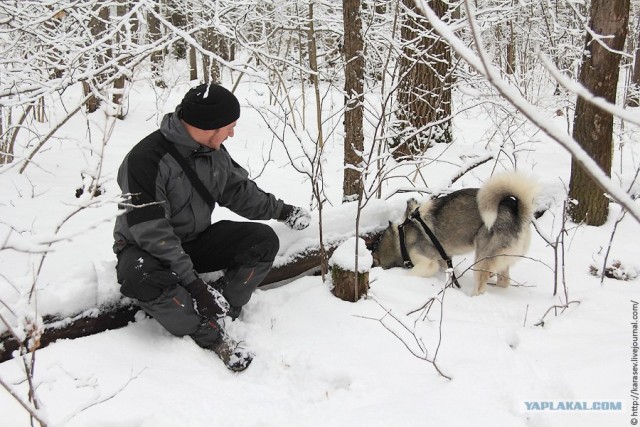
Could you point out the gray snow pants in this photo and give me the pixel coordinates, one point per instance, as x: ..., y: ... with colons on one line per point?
x: 245, y: 250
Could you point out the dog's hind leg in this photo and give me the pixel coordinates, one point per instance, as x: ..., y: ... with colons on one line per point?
x: 482, y: 270
x: 487, y: 261
x: 480, y: 279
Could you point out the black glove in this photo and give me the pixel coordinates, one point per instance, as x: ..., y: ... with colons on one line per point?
x: 295, y: 217
x: 207, y: 301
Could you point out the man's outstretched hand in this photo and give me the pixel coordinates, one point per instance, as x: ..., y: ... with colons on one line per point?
x: 295, y: 217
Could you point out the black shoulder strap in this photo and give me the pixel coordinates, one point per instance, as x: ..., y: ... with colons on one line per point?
x: 406, y: 259
x: 191, y: 174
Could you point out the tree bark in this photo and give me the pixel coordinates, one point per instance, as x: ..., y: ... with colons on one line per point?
x: 353, y: 88
x: 210, y: 68
x: 193, y: 63
x: 593, y: 127
x: 634, y: 99
x: 97, y: 26
x: 344, y: 284
x: 120, y: 82
x: 178, y: 19
x: 157, y: 55
x: 6, y: 151
x: 424, y: 92
x: 511, y: 51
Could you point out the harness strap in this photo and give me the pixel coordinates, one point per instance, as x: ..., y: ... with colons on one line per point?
x: 403, y: 247
x: 416, y: 215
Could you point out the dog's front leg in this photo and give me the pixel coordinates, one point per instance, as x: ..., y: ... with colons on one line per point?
x: 423, y: 266
x: 503, y: 278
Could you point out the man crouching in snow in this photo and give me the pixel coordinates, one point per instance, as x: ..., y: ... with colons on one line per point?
x: 174, y: 177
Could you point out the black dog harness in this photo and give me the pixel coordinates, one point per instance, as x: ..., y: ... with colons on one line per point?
x: 403, y: 246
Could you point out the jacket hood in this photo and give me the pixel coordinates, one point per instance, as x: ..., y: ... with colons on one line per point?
x: 172, y: 129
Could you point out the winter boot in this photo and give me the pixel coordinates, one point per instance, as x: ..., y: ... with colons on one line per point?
x: 232, y: 353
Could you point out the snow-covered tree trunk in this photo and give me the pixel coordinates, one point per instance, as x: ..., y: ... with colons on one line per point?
x: 97, y: 27
x: 6, y: 148
x: 634, y: 98
x: 210, y: 67
x: 350, y: 264
x: 353, y: 87
x: 347, y: 286
x: 120, y: 82
x: 424, y: 94
x: 119, y: 314
x: 511, y: 51
x: 593, y: 127
x: 193, y: 63
x: 154, y: 33
x: 178, y: 19
x: 214, y: 42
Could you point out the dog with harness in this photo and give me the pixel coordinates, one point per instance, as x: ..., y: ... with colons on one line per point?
x: 494, y: 221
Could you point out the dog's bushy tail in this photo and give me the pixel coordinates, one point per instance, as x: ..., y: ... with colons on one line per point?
x: 515, y: 189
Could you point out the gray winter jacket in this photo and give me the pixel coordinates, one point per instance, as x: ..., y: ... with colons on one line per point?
x: 163, y: 208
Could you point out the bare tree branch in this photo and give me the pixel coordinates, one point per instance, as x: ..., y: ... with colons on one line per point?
x: 482, y: 65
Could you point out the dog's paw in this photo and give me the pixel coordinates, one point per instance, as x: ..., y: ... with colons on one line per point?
x: 479, y: 290
x: 503, y: 281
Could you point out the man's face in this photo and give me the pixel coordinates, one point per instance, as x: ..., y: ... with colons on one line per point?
x: 212, y: 138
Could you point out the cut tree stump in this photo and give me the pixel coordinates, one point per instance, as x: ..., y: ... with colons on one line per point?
x: 344, y: 284
x: 119, y: 314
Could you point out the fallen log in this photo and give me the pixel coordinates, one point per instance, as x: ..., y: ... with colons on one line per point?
x: 120, y: 314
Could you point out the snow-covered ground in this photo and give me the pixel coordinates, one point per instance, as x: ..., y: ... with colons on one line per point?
x: 320, y: 361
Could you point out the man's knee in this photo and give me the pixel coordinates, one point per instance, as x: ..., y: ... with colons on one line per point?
x: 272, y: 243
x: 142, y: 276
x: 173, y: 309
x: 264, y: 246
x: 267, y: 242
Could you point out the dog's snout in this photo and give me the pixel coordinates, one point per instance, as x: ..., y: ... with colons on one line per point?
x: 376, y: 261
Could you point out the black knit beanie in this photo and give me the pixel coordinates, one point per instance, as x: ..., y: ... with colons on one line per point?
x: 209, y: 106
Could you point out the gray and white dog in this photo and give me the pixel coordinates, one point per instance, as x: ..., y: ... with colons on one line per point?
x: 493, y: 220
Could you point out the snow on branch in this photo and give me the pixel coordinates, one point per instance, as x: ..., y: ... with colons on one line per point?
x: 480, y: 63
x: 578, y: 89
